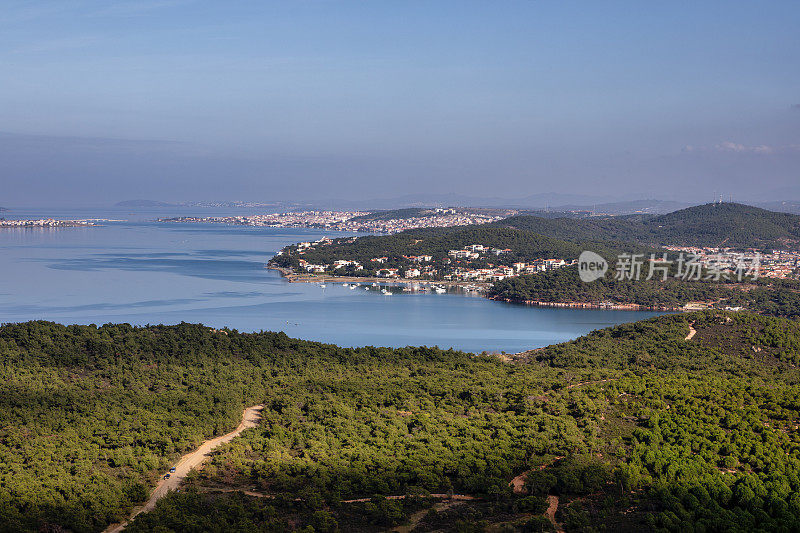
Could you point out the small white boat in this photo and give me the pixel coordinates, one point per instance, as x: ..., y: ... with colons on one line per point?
x: 387, y: 293
x: 353, y: 287
x: 322, y: 285
x: 439, y: 290
x: 345, y: 285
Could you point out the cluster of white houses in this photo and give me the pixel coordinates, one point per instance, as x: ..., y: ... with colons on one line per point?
x: 426, y: 271
x: 44, y: 223
x: 781, y: 264
x: 302, y: 246
x: 474, y: 251
x: 423, y: 266
x: 355, y: 221
x: 502, y: 272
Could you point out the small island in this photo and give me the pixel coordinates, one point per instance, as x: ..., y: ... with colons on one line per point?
x: 45, y: 223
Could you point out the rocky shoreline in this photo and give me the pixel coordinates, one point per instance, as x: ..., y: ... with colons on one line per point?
x: 589, y: 305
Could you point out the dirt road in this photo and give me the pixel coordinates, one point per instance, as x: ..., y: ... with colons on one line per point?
x: 518, y: 483
x: 250, y: 418
x: 550, y: 513
x: 692, y: 332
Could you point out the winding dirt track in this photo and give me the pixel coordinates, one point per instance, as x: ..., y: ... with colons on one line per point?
x: 250, y: 418
x: 518, y: 483
x: 692, y: 332
x: 550, y: 513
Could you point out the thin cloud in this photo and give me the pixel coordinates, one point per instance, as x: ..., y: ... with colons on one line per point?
x: 56, y: 45
x: 731, y: 147
x: 29, y: 12
x: 129, y: 9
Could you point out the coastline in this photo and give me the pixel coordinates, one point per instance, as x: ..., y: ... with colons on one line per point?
x: 602, y: 305
x: 481, y: 287
x: 293, y: 277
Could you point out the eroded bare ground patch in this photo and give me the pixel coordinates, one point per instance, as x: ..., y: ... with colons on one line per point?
x: 756, y: 340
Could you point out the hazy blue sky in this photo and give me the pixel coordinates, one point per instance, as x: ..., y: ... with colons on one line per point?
x: 191, y: 100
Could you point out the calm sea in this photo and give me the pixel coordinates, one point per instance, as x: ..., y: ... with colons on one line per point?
x: 142, y: 272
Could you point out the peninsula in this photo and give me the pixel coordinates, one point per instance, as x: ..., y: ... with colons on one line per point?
x: 532, y: 260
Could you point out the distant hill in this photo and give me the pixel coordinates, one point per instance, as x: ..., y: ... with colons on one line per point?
x: 657, y: 207
x: 535, y: 201
x: 555, y: 214
x: 727, y: 224
x: 396, y: 214
x: 724, y: 224
x: 781, y: 207
x: 143, y: 203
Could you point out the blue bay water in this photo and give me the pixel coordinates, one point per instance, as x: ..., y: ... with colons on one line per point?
x: 143, y: 272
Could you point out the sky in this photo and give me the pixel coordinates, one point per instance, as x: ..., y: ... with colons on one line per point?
x: 181, y: 100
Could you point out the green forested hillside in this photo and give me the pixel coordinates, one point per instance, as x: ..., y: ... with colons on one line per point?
x: 436, y: 242
x: 88, y: 417
x: 727, y: 224
x: 621, y: 228
x: 631, y: 427
x: 564, y: 285
x: 767, y: 296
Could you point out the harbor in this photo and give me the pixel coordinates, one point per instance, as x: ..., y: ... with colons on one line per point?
x: 415, y: 285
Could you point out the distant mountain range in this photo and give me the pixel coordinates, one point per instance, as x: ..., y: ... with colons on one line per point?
x: 143, y: 203
x: 658, y: 207
x: 213, y: 204
x: 539, y: 202
x: 781, y: 207
x: 542, y: 202
x: 536, y: 201
x: 545, y: 205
